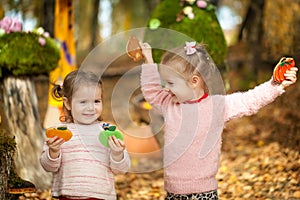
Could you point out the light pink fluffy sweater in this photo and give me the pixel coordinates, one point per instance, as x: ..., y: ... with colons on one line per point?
x: 193, y: 131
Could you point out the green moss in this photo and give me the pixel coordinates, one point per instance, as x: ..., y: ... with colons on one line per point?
x: 22, y: 54
x: 7, y: 149
x: 204, y: 28
x: 166, y: 12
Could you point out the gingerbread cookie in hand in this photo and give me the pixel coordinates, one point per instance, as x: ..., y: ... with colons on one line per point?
x: 133, y: 49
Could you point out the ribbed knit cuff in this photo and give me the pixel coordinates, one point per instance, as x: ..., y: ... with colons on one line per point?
x: 190, y: 186
x: 123, y: 165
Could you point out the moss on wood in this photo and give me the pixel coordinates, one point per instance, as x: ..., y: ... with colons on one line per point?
x: 22, y: 54
x: 7, y: 143
x: 204, y: 28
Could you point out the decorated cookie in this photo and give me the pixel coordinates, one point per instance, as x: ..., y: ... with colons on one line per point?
x: 133, y: 49
x: 110, y: 131
x: 60, y: 132
x: 283, y: 65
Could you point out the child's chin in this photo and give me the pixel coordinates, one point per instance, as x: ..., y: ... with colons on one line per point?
x: 175, y: 100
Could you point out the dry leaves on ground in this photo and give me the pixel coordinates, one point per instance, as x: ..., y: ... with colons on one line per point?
x: 260, y: 159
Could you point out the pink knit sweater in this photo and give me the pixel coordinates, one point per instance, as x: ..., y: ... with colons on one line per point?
x: 84, y: 167
x: 193, y: 131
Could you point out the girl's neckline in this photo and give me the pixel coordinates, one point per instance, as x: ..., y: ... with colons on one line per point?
x: 197, y: 100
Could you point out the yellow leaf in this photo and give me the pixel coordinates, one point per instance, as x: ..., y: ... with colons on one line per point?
x: 260, y: 143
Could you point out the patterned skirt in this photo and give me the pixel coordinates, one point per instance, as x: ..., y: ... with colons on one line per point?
x: 212, y: 195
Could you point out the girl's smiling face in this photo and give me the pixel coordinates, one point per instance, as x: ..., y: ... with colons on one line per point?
x: 86, y: 104
x: 176, y: 85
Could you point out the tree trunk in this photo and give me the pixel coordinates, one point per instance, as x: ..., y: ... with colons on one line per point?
x: 251, y: 32
x: 95, y: 30
x: 84, y: 22
x: 281, y: 27
x: 4, y: 170
x: 21, y: 119
x: 270, y: 31
x: 48, y: 17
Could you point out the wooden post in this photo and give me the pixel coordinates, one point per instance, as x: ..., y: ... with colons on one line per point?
x: 7, y: 149
x: 3, y: 154
x: 22, y: 121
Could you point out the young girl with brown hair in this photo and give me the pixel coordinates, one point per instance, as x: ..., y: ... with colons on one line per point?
x: 82, y: 167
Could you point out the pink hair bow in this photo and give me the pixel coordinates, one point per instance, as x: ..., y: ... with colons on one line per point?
x: 190, y: 48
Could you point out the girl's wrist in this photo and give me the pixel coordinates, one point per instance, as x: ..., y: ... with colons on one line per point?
x: 280, y: 86
x: 117, y: 156
x: 54, y: 154
x: 149, y: 60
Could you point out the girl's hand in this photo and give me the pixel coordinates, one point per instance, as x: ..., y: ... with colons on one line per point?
x: 147, y: 52
x: 117, y: 148
x: 290, y: 77
x: 54, y: 145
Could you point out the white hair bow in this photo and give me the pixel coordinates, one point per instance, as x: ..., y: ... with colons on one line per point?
x: 190, y: 48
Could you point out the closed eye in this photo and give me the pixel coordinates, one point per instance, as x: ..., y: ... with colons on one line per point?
x: 170, y: 83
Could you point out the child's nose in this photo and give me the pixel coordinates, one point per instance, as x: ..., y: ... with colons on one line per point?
x: 90, y: 106
x: 167, y: 89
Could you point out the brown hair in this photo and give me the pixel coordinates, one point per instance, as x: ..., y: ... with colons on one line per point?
x: 200, y: 63
x: 71, y: 83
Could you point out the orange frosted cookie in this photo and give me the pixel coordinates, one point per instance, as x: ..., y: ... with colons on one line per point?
x: 60, y: 132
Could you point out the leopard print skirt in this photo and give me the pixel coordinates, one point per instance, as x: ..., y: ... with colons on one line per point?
x: 212, y: 195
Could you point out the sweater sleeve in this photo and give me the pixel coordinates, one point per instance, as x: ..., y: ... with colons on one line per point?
x: 122, y: 166
x: 248, y: 103
x: 49, y: 164
x: 152, y: 89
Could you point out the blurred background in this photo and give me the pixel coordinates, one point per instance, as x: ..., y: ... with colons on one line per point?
x: 257, y: 34
x: 271, y: 25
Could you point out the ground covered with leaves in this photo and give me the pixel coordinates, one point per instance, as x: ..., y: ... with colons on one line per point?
x: 260, y: 158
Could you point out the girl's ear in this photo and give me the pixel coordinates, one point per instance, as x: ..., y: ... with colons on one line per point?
x: 194, y: 81
x: 67, y: 103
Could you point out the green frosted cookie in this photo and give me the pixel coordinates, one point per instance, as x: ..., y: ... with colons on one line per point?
x: 104, y: 135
